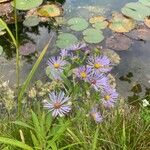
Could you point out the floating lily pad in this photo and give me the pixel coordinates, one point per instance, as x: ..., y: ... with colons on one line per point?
x: 96, y: 19
x: 112, y: 55
x: 118, y: 42
x: 147, y: 21
x: 136, y: 10
x: 1, y: 50
x: 27, y: 49
x: 121, y: 24
x: 31, y: 21
x: 65, y: 40
x: 50, y: 10
x: 27, y: 4
x: 145, y: 2
x: 98, y: 22
x: 78, y: 24
x: 92, y: 35
x: 140, y: 33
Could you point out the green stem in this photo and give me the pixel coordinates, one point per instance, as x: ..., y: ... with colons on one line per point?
x: 17, y: 48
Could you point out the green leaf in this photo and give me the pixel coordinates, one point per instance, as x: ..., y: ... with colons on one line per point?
x: 2, y: 27
x: 34, y: 139
x: 66, y: 40
x: 27, y: 4
x: 50, y: 10
x: 100, y: 25
x: 78, y: 24
x: 25, y: 125
x: 1, y: 50
x: 31, y: 74
x: 145, y: 2
x: 31, y: 21
x: 92, y: 35
x: 136, y: 10
x: 37, y: 127
x: 15, y: 143
x: 95, y: 139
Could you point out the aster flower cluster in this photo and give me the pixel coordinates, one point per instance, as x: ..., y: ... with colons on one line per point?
x: 94, y: 71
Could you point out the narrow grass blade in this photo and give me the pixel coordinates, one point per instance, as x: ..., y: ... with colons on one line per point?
x: 29, y: 77
x: 15, y: 143
x: 95, y: 139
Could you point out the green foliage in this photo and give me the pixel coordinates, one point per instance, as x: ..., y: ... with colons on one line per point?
x: 78, y: 24
x: 65, y: 40
x: 27, y: 4
x: 15, y: 143
x: 1, y: 50
x: 92, y: 35
x: 29, y: 77
x: 43, y: 132
x: 31, y: 21
x: 136, y: 10
x: 145, y: 2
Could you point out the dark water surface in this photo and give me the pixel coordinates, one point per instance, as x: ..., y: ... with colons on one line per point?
x: 135, y: 62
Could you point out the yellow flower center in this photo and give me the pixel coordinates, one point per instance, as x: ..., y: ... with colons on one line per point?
x: 56, y: 65
x: 57, y: 105
x: 107, y: 97
x: 83, y: 74
x: 97, y: 65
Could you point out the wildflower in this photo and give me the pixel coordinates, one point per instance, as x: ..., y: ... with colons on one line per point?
x: 57, y: 63
x: 77, y: 46
x: 98, y: 81
x: 58, y: 104
x: 64, y: 53
x: 109, y: 97
x: 96, y: 115
x: 83, y: 72
x: 145, y: 103
x: 99, y: 64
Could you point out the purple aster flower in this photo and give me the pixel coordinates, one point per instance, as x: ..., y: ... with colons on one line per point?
x: 64, y: 53
x: 96, y: 115
x: 109, y: 97
x: 58, y: 104
x: 57, y: 63
x: 83, y: 72
x: 77, y: 46
x: 99, y: 64
x: 98, y: 81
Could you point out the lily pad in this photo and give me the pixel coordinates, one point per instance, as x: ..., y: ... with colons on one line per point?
x: 92, y: 35
x: 118, y: 42
x: 65, y: 40
x: 96, y: 19
x: 136, y: 10
x: 50, y: 10
x: 140, y: 33
x: 27, y: 49
x: 98, y: 22
x: 1, y: 50
x: 145, y: 2
x: 121, y: 24
x: 112, y: 55
x: 27, y: 4
x: 78, y: 24
x: 147, y: 21
x: 31, y: 21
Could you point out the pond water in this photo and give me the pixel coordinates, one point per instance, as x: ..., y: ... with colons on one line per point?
x: 134, y: 62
